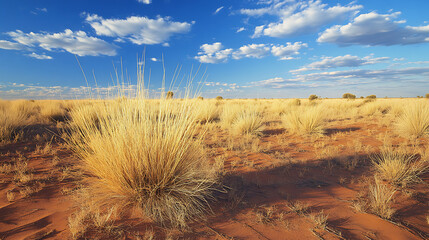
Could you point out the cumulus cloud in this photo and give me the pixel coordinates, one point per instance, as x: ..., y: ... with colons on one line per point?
x: 287, y: 52
x: 138, y: 30
x: 214, y: 53
x: 78, y: 42
x: 155, y: 59
x: 375, y: 29
x: 10, y: 45
x: 218, y: 10
x: 39, y: 56
x: 251, y: 51
x: 145, y: 1
x: 341, y: 61
x: 297, y: 18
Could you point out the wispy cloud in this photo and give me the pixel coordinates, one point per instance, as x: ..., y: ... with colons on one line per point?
x: 10, y: 45
x: 218, y: 10
x: 145, y: 1
x: 341, y: 61
x: 39, y: 56
x: 39, y: 10
x: 240, y: 29
x: 215, y: 53
x: 350, y: 77
x: 375, y: 29
x: 138, y: 30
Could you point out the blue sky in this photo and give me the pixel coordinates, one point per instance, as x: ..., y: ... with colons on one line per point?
x: 247, y: 49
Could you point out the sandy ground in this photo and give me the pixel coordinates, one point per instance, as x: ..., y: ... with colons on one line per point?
x: 265, y: 179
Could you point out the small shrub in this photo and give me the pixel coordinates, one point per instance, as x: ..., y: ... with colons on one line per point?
x: 200, y: 98
x: 170, y: 95
x: 313, y: 97
x: 427, y: 95
x: 349, y: 96
x: 219, y: 98
x: 371, y: 97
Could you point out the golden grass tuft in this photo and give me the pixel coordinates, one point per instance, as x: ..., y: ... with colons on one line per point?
x: 380, y: 198
x: 138, y: 156
x: 248, y: 122
x: 414, y: 121
x: 11, y: 118
x: 308, y: 120
x: 399, y: 168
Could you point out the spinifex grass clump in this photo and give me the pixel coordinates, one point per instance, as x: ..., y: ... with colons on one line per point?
x: 10, y: 119
x: 145, y: 154
x: 399, y: 168
x: 305, y: 121
x: 248, y: 122
x: 414, y: 122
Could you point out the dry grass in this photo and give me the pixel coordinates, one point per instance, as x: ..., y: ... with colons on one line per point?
x: 414, y: 121
x: 305, y: 120
x: 207, y: 111
x: 248, y: 122
x: 146, y: 159
x: 380, y: 198
x: 11, y: 118
x: 320, y: 219
x: 399, y: 168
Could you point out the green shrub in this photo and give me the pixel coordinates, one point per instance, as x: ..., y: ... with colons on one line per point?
x: 313, y: 97
x: 349, y: 96
x: 371, y: 96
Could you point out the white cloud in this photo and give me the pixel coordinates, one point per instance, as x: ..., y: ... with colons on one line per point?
x: 375, y: 29
x: 154, y: 59
x: 287, y: 52
x: 350, y: 77
x: 78, y: 42
x: 145, y: 1
x: 218, y: 10
x: 240, y: 29
x: 10, y: 45
x: 39, y: 56
x: 299, y: 17
x: 251, y: 51
x: 214, y: 53
x: 341, y: 61
x: 138, y: 30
